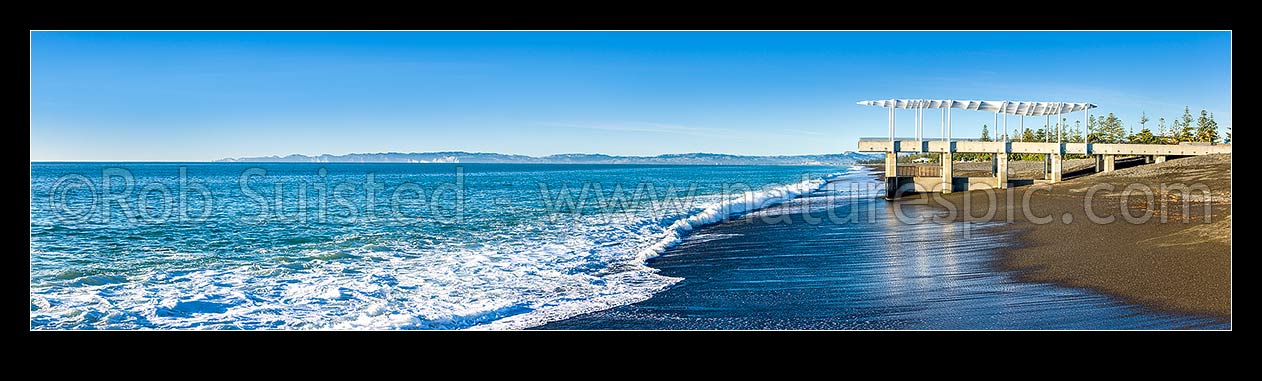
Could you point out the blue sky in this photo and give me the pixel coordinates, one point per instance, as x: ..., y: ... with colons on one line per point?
x: 194, y: 96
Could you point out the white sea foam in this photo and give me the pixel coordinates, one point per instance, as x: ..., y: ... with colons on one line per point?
x: 710, y: 213
x: 722, y: 210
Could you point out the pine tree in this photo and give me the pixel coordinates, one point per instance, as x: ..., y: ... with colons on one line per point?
x: 1144, y: 136
x: 1206, y: 128
x: 1093, y: 129
x: 1161, y: 130
x: 1143, y: 120
x: 985, y: 133
x: 1111, y: 130
x: 1213, y: 126
x: 1183, y: 127
x: 1202, y: 122
x: 1064, y: 129
x: 1121, y: 131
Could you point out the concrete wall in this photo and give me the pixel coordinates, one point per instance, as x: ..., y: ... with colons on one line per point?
x: 934, y: 184
x: 928, y: 184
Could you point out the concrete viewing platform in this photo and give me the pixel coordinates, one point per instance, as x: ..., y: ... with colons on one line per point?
x: 943, y: 180
x: 918, y: 179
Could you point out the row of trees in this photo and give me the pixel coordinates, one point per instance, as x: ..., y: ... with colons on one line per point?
x: 1111, y: 129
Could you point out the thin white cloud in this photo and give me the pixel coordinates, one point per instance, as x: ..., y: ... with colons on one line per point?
x: 643, y: 127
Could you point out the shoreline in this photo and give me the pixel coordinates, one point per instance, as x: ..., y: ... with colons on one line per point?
x: 746, y: 274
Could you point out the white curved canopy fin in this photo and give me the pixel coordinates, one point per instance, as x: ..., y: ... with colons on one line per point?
x: 1006, y: 107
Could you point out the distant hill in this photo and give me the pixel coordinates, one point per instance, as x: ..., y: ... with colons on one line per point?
x: 845, y: 158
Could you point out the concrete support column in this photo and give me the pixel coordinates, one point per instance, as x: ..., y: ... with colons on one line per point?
x: 947, y: 174
x: 1147, y: 159
x: 1054, y: 174
x: 1160, y: 158
x: 1108, y: 162
x: 1001, y: 171
x: 1047, y: 166
x: 891, y: 175
x: 891, y: 164
x: 1099, y: 162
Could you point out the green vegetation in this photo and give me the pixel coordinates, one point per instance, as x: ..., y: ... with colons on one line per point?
x: 1144, y: 137
x: 1161, y: 128
x: 1110, y: 131
x: 1182, y: 129
x: 1143, y: 120
x: 1206, y: 128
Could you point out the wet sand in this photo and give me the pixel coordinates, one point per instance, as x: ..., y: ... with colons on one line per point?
x: 1182, y: 264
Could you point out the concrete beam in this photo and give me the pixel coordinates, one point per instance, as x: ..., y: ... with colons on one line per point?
x: 940, y: 146
x: 1159, y: 149
x: 982, y: 147
x: 1082, y: 148
x: 1032, y: 147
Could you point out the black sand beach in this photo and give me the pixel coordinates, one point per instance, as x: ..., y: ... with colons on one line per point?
x: 1182, y: 264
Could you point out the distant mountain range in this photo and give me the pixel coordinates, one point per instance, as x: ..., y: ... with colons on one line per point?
x: 845, y: 158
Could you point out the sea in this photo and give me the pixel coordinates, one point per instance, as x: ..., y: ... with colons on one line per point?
x: 385, y: 246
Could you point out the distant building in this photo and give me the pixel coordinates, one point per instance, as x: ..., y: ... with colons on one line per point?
x: 922, y: 160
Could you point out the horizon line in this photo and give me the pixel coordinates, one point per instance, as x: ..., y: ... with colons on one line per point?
x: 434, y: 152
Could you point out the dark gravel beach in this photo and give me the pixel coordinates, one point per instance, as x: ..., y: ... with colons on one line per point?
x: 1182, y: 264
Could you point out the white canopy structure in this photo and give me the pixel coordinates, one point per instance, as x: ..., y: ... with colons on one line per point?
x: 1018, y: 108
x: 1005, y: 107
